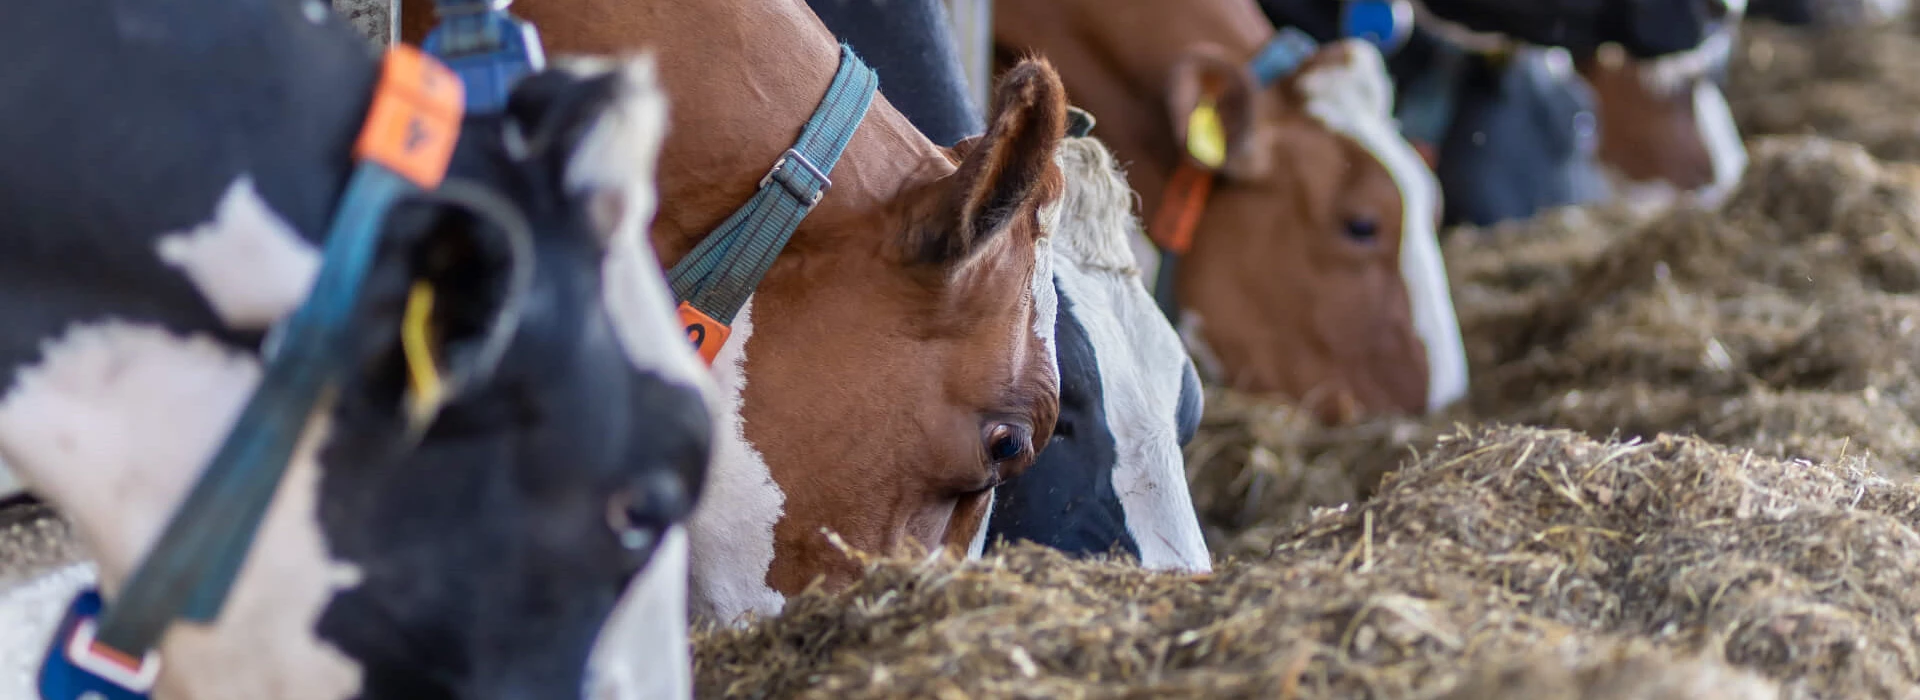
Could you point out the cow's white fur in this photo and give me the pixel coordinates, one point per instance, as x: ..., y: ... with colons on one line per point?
x: 32, y: 609
x: 731, y: 531
x: 1355, y: 98
x: 643, y: 650
x: 643, y: 654
x: 1141, y: 359
x: 9, y: 484
x: 618, y: 157
x: 98, y: 429
x: 978, y: 545
x: 1722, y: 137
x: 248, y: 263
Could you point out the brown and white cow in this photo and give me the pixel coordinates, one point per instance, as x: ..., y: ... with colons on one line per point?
x: 896, y: 363
x: 1313, y: 271
x: 1665, y: 126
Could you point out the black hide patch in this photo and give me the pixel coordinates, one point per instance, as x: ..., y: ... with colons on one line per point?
x: 1066, y: 500
x: 1523, y: 139
x: 1192, y: 404
x: 910, y: 45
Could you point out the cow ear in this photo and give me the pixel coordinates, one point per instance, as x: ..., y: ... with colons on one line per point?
x: 1006, y: 172
x: 599, y: 124
x: 1213, y: 104
x: 441, y: 301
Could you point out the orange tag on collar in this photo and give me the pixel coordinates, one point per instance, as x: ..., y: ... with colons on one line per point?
x: 706, y: 334
x: 1181, y: 203
x: 415, y: 118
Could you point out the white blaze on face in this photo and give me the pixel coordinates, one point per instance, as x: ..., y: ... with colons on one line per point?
x: 113, y: 427
x: 731, y: 531
x: 1722, y: 138
x: 1141, y: 361
x: 643, y: 652
x: 613, y: 168
x: 1355, y: 98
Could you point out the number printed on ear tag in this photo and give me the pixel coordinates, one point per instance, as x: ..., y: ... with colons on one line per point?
x: 706, y: 334
x: 1206, y: 138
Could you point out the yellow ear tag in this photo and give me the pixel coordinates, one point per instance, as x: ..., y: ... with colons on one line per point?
x: 1206, y: 138
x: 426, y: 390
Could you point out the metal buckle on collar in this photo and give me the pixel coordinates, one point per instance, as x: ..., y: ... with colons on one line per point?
x: 794, y: 187
x: 103, y: 661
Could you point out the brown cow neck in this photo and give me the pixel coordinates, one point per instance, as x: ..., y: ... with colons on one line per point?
x: 1125, y: 85
x: 741, y: 84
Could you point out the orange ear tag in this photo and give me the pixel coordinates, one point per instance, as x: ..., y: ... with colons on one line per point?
x: 706, y: 334
x: 414, y: 121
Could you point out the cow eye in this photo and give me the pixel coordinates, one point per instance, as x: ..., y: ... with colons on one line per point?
x: 1006, y: 443
x: 638, y: 514
x: 1362, y: 230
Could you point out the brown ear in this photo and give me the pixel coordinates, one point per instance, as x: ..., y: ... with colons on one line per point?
x: 1207, y: 70
x: 1008, y: 170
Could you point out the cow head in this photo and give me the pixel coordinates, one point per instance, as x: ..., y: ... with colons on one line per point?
x: 1113, y: 478
x: 898, y: 368
x: 1664, y: 123
x: 491, y: 550
x: 1314, y: 271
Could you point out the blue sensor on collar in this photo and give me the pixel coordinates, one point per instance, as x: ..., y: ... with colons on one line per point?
x: 1384, y: 23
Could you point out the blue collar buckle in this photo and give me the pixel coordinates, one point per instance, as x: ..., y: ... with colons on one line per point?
x: 488, y: 47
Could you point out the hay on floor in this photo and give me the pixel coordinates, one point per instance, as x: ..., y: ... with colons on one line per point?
x: 1506, y: 562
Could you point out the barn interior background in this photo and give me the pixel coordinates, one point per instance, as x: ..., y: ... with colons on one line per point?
x: 1686, y: 470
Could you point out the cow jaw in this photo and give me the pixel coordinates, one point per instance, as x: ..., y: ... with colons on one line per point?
x: 112, y: 427
x: 643, y: 652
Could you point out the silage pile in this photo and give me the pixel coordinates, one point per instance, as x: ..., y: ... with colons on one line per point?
x: 1855, y: 84
x: 1506, y: 563
x: 1787, y: 321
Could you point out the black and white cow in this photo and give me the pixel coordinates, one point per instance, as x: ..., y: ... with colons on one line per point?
x: 1113, y: 478
x: 1519, y: 134
x: 167, y: 170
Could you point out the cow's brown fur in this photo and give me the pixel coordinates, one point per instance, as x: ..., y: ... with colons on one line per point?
x: 1288, y: 303
x: 898, y: 324
x: 1647, y: 135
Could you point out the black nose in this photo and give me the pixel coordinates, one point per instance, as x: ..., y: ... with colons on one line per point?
x: 659, y: 498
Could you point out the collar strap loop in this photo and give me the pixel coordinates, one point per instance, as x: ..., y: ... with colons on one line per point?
x: 714, y: 280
